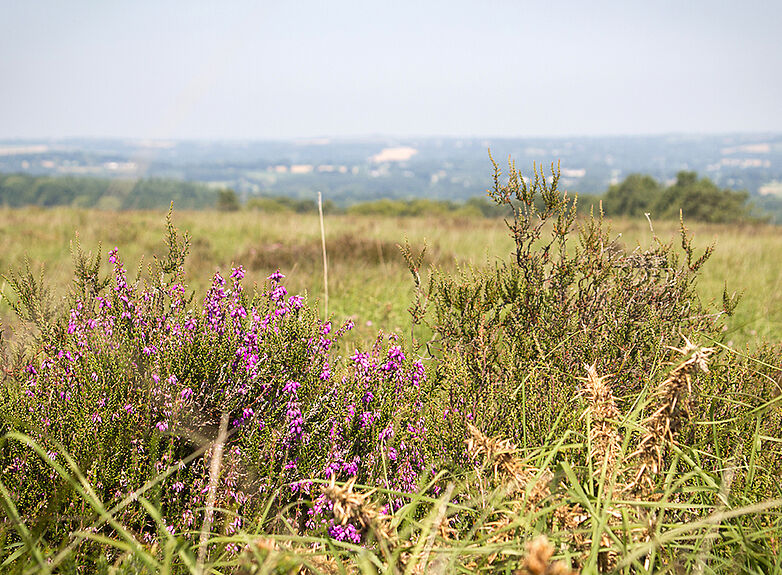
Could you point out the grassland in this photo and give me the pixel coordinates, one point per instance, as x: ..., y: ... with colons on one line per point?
x: 579, y: 412
x: 368, y: 279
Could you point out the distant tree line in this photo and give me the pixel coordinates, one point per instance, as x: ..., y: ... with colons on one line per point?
x: 699, y: 199
x: 18, y: 190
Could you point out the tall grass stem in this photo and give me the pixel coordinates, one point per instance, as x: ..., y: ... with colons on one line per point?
x: 325, y: 260
x: 214, y: 475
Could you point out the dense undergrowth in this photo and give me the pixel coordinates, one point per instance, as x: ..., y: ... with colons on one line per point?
x: 576, y: 410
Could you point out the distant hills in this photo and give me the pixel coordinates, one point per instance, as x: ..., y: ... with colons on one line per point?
x: 348, y: 171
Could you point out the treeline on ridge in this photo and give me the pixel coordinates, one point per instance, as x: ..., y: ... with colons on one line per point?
x: 17, y: 190
x: 699, y: 199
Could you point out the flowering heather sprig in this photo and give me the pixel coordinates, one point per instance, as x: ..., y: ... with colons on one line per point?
x: 141, y: 371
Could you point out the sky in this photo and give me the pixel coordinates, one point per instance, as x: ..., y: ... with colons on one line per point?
x: 261, y: 70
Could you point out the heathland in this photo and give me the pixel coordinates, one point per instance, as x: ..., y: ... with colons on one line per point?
x: 555, y: 394
x: 368, y: 278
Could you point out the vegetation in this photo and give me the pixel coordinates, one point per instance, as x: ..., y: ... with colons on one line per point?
x: 572, y: 407
x: 25, y: 190
x: 698, y: 199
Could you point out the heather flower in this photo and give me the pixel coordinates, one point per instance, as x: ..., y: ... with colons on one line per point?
x: 237, y: 273
x: 276, y: 276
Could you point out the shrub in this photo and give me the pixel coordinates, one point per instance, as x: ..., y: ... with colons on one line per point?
x: 509, y: 337
x: 136, y: 379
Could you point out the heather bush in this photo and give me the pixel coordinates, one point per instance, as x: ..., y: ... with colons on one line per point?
x: 137, y: 377
x: 511, y: 338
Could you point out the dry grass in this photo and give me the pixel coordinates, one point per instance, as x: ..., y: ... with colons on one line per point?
x: 672, y: 408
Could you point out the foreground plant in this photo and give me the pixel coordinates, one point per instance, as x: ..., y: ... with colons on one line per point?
x: 146, y: 431
x: 136, y: 379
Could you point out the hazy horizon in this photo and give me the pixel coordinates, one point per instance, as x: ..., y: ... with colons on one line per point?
x: 258, y: 71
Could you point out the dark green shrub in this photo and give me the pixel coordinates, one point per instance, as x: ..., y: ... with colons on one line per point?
x: 512, y: 339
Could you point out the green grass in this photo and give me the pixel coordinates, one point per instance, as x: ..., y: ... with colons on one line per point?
x: 712, y: 507
x: 368, y: 277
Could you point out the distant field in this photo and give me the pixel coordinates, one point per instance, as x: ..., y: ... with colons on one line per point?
x: 368, y: 278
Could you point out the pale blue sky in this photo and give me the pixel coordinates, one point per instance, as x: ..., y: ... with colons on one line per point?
x: 286, y: 69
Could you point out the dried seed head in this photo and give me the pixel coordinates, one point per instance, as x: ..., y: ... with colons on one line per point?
x: 538, y: 560
x: 501, y: 455
x: 349, y: 506
x: 672, y: 408
x: 603, y: 435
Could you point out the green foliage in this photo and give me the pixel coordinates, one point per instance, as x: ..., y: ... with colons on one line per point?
x: 284, y: 204
x: 156, y: 193
x: 696, y: 199
x: 634, y: 196
x: 227, y: 201
x: 510, y: 335
x: 702, y: 200
x: 110, y: 417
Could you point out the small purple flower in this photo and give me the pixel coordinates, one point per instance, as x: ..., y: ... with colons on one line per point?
x: 278, y: 294
x: 162, y: 425
x: 291, y: 386
x: 276, y: 276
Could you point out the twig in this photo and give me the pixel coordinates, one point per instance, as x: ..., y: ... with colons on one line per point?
x: 214, y: 474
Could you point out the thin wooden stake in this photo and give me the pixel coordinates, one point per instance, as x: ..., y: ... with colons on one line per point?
x: 325, y: 261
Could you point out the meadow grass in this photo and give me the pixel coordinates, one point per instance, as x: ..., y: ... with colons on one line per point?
x: 369, y: 280
x: 525, y: 444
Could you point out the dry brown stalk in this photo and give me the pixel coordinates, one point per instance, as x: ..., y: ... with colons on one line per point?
x: 349, y: 506
x: 214, y: 475
x: 604, y: 437
x: 505, y: 464
x: 265, y: 555
x: 672, y: 408
x: 538, y: 560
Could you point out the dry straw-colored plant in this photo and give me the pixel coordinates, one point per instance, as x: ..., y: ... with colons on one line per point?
x: 501, y: 455
x: 266, y: 555
x: 672, y: 408
x: 604, y: 437
x: 357, y: 509
x: 538, y: 559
